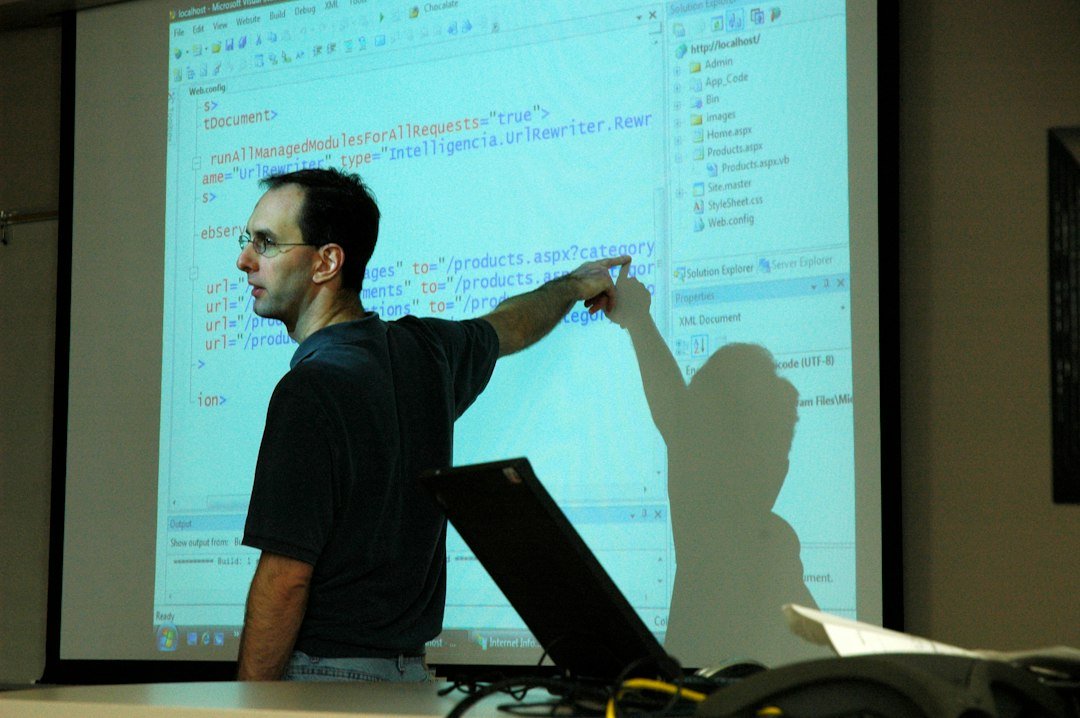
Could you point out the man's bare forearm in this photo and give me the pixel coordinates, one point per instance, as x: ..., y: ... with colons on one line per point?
x: 525, y: 319
x: 275, y: 608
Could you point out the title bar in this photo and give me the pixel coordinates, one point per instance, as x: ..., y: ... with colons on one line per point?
x: 195, y: 11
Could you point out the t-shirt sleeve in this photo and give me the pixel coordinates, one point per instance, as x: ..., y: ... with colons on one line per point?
x: 471, y: 347
x: 292, y: 500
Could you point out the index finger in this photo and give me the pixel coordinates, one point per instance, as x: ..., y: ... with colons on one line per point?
x: 609, y: 262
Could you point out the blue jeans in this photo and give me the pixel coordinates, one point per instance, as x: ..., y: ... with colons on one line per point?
x: 403, y: 669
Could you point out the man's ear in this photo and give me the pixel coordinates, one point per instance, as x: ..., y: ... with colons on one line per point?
x: 330, y: 263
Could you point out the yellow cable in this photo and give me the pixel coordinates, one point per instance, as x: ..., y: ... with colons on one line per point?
x: 651, y: 685
x: 662, y: 687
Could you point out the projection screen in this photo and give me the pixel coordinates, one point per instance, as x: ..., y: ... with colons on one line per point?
x: 729, y: 147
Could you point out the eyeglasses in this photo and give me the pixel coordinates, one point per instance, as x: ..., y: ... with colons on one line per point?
x: 266, y: 247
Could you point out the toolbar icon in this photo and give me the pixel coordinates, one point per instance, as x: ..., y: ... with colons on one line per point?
x: 167, y: 637
x: 736, y: 19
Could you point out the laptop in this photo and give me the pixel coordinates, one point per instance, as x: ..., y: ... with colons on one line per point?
x: 543, y: 567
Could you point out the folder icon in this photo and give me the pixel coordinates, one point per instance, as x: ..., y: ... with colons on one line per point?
x: 695, y: 67
x: 699, y: 153
x: 695, y: 120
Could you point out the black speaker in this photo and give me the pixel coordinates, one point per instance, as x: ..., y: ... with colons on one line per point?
x: 893, y: 685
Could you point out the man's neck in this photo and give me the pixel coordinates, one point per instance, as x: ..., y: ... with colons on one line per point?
x: 325, y: 310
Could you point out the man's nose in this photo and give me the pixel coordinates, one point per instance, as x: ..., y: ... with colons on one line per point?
x: 248, y: 258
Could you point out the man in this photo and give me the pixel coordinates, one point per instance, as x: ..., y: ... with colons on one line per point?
x: 351, y: 581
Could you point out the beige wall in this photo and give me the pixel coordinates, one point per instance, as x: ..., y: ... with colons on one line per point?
x: 989, y: 560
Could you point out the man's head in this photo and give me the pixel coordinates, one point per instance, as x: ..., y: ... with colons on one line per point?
x: 310, y: 228
x: 338, y: 208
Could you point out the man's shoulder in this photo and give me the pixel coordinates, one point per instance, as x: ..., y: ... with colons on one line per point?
x: 328, y: 366
x: 443, y: 330
x: 414, y: 323
x: 327, y: 381
x: 299, y: 380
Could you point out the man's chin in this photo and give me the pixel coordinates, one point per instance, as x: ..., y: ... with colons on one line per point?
x: 263, y: 309
x: 270, y: 313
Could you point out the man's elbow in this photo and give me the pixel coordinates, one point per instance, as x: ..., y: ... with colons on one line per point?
x: 510, y: 344
x: 511, y: 338
x: 281, y: 577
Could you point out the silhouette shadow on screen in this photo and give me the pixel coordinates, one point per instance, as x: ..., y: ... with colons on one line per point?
x: 728, y: 435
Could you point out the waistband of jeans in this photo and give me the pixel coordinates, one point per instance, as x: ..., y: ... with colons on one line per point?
x: 360, y: 652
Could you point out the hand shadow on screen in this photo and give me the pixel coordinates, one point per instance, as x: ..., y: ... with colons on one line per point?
x: 728, y: 434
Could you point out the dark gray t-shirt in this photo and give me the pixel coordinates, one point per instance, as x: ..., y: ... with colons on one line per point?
x: 367, y: 406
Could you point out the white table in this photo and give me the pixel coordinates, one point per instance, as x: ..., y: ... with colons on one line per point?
x: 247, y: 700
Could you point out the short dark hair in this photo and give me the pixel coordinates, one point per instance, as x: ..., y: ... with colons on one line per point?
x: 338, y: 209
